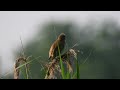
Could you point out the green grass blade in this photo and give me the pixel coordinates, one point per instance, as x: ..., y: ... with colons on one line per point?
x: 77, y: 68
x: 74, y: 75
x: 26, y: 63
x: 26, y: 69
x: 68, y: 75
x: 62, y: 69
x: 23, y: 74
x: 61, y: 64
x: 30, y: 75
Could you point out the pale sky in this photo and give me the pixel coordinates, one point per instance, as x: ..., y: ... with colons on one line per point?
x: 24, y: 23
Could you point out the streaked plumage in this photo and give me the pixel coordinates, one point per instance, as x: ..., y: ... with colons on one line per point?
x: 53, y: 52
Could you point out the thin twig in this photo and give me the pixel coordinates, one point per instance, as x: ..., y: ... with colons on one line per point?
x: 87, y: 57
x: 22, y: 47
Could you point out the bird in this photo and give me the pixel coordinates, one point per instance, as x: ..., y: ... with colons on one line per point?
x: 60, y: 41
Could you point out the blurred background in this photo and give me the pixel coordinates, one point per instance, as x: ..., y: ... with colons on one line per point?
x: 96, y: 32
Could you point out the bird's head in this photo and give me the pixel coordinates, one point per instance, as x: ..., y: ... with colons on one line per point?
x: 61, y: 36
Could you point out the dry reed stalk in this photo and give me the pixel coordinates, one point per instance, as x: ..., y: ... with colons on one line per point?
x: 17, y: 64
x: 16, y: 69
x: 67, y: 58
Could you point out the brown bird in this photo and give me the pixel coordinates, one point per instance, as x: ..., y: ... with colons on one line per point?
x: 53, y: 52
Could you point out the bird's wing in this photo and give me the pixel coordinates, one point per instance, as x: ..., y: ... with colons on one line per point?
x: 53, y: 49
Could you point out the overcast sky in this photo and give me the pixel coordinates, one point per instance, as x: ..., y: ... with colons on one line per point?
x: 14, y: 24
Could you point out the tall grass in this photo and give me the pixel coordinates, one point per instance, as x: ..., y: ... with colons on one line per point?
x: 67, y: 75
x: 61, y: 64
x: 64, y: 73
